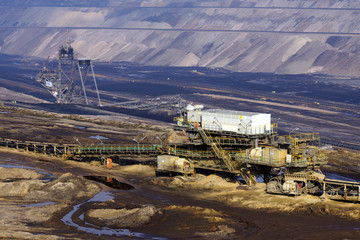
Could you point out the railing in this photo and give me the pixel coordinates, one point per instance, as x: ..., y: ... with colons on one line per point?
x: 113, y: 150
x: 245, y: 173
x: 189, y: 153
x: 274, y: 128
x: 300, y: 138
x: 83, y: 151
x: 241, y: 130
x: 253, y: 130
x: 233, y: 141
x: 261, y: 161
x: 36, y: 147
x: 243, y: 157
x: 220, y: 153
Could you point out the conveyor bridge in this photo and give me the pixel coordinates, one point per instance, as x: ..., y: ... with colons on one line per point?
x: 341, y: 190
x: 73, y: 151
x: 332, y: 189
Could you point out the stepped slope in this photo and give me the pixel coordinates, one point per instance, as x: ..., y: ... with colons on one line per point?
x: 278, y: 36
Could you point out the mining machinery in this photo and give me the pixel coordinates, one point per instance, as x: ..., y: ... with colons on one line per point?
x: 244, y: 146
x: 247, y: 145
x: 67, y: 84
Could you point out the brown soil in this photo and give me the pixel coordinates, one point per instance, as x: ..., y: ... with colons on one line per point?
x: 122, y: 218
x: 18, y: 173
x: 343, y: 162
x: 41, y: 126
x: 200, y: 207
x: 216, y: 188
x: 203, y: 207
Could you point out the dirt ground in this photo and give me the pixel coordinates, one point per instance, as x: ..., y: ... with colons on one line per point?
x: 41, y: 126
x: 43, y: 197
x: 37, y: 192
x: 344, y: 162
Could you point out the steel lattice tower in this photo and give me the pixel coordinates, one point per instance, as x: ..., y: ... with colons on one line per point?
x: 68, y: 85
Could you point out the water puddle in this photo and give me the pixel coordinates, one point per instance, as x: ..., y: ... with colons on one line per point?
x: 134, y: 75
x: 47, y: 176
x: 259, y: 179
x: 110, y: 182
x: 38, y: 204
x: 81, y: 127
x: 350, y: 227
x: 93, y: 229
x: 101, y: 197
x: 99, y: 137
x: 7, y: 165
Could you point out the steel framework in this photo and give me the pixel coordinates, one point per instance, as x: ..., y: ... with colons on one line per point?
x: 68, y: 83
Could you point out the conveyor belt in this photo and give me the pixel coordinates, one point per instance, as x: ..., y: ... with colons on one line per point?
x: 341, y: 190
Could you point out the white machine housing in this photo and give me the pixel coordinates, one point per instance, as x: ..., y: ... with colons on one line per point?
x: 249, y: 123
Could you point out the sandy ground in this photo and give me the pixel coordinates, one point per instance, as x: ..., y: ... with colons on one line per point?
x: 216, y: 188
x: 200, y: 207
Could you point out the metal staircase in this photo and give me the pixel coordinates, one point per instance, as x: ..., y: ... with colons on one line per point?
x: 249, y: 178
x: 219, y: 152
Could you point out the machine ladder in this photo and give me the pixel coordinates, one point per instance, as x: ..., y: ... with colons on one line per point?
x: 225, y: 156
x: 219, y: 152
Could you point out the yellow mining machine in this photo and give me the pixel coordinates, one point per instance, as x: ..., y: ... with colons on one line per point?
x: 242, y: 145
x: 247, y: 145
